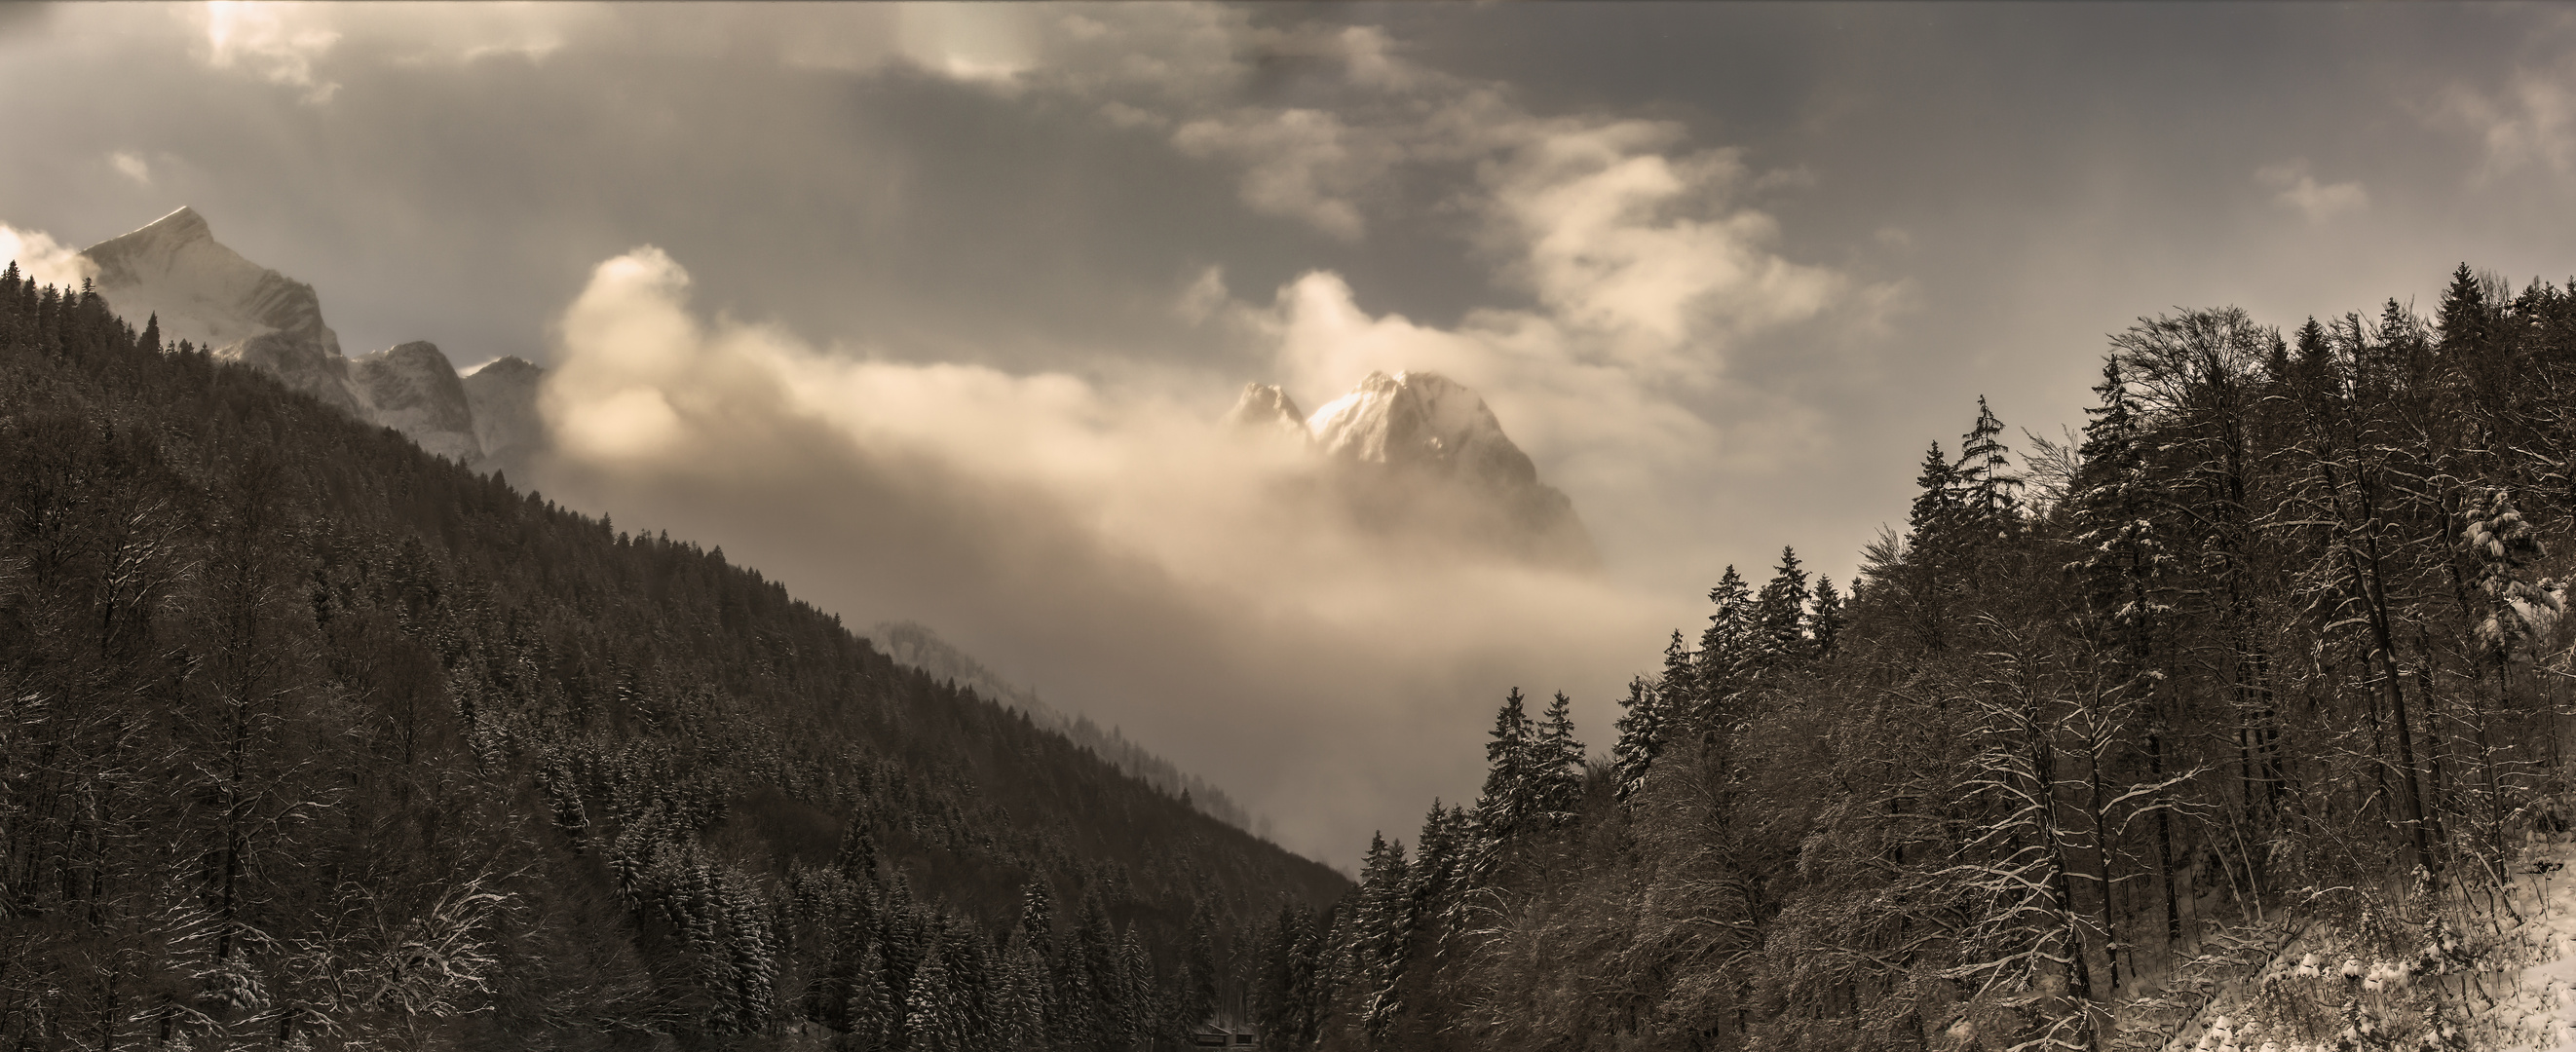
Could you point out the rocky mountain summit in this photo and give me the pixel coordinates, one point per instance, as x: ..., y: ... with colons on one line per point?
x: 413, y: 389
x: 174, y: 270
x: 1422, y: 454
x: 207, y: 294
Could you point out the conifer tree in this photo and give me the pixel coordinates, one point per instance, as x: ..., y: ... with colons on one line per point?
x: 2465, y: 317
x: 1825, y: 616
x: 1730, y: 643
x: 934, y: 1020
x: 1780, y: 611
x: 1195, y: 998
x: 1558, y: 767
x: 1677, y: 689
x: 1144, y: 1018
x: 1990, y: 491
x: 1641, y: 738
x: 1104, y: 977
x: 1382, y: 929
x: 1915, y: 575
x: 1508, y: 807
x: 1024, y: 1023
x: 2502, y: 547
x: 1285, y: 1005
x: 871, y: 1005
x: 1037, y: 917
x: 1938, y: 503
x: 2123, y: 566
x: 1440, y: 860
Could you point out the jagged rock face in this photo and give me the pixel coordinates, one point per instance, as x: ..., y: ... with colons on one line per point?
x: 208, y: 294
x: 175, y: 270
x: 414, y: 389
x: 503, y: 394
x: 1421, y: 455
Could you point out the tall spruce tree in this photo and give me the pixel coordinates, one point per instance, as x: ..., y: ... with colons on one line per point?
x: 1825, y: 619
x: 1989, y: 490
x: 1729, y: 646
x: 1382, y: 933
x: 1557, y: 767
x: 1641, y: 737
x: 1509, y: 805
x: 1780, y: 611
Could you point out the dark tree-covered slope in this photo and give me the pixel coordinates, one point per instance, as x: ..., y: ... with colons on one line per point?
x: 309, y: 739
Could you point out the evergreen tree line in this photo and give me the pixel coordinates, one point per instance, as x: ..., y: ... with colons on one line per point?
x: 2271, y: 656
x: 311, y: 740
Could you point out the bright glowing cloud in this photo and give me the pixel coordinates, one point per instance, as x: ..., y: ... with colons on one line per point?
x: 289, y: 43
x: 274, y: 41
x: 42, y: 258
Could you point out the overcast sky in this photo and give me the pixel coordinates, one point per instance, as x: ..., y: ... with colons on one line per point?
x: 930, y: 311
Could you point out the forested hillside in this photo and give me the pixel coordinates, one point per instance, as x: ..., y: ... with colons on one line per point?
x: 309, y: 739
x: 2274, y: 652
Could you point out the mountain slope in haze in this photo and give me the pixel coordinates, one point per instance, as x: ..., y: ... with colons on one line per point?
x: 915, y: 646
x: 413, y: 389
x: 309, y: 739
x: 502, y: 397
x: 173, y: 272
x: 1418, y: 453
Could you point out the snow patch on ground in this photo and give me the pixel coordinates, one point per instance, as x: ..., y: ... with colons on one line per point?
x: 2486, y: 965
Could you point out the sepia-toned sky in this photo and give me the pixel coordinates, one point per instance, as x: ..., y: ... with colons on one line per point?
x: 931, y: 312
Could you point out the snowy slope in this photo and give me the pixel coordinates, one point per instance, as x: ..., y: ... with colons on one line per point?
x: 208, y: 294
x: 2535, y: 988
x: 2490, y: 967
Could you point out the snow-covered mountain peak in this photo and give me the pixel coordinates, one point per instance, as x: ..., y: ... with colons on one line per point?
x: 202, y: 291
x: 182, y: 225
x: 1423, y: 419
x: 1421, y: 455
x: 505, y: 365
x: 173, y: 269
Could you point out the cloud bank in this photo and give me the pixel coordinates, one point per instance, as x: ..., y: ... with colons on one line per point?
x: 1176, y: 572
x: 1106, y: 531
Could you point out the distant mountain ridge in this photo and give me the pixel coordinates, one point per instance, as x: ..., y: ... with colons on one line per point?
x: 173, y: 271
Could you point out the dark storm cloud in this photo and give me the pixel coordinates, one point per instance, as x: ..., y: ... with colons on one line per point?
x: 1723, y: 268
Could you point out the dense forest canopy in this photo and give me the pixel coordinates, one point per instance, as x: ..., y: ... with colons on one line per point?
x: 2272, y: 657
x: 309, y: 739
